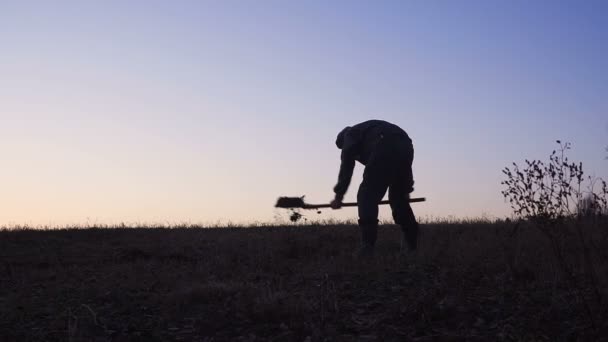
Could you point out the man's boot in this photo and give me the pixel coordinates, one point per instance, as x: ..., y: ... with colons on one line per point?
x: 369, y: 234
x: 409, y: 238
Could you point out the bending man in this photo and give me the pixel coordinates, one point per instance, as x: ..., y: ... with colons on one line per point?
x: 387, y: 153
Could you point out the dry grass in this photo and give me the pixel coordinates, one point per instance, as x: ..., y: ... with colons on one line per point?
x: 470, y: 281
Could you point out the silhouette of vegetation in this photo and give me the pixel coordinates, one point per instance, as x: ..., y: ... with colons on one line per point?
x: 592, y: 205
x: 553, y: 197
x: 550, y: 192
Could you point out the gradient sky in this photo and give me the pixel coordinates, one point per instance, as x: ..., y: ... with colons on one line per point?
x: 207, y: 111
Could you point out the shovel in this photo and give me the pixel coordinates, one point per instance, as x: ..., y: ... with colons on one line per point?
x: 298, y: 202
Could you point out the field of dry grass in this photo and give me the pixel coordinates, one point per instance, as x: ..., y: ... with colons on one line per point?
x: 470, y: 281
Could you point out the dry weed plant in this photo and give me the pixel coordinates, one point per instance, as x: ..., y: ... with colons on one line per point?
x: 554, y: 198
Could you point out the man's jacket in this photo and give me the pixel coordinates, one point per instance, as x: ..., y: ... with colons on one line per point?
x: 358, y: 143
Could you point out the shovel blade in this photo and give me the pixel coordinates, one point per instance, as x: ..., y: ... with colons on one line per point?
x: 290, y: 202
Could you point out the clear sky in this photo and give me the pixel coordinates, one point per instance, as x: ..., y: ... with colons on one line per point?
x: 206, y: 111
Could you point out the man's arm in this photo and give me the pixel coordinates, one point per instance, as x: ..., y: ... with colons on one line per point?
x: 350, y: 148
x: 346, y: 173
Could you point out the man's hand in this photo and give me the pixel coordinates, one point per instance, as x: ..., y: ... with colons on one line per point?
x: 336, y: 203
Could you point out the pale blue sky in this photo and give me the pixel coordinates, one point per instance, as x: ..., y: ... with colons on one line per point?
x: 201, y: 111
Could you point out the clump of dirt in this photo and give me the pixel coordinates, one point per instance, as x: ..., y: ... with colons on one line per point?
x: 295, y: 215
x: 294, y: 205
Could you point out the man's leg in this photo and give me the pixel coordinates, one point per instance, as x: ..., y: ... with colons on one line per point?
x: 371, y: 191
x: 404, y: 216
x: 398, y: 195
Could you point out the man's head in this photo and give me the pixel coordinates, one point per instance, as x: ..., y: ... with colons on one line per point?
x: 340, y: 138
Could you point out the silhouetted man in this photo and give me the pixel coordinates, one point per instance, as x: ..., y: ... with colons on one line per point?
x: 387, y: 153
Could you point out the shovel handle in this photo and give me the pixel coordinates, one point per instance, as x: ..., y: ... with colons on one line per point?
x: 354, y: 204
